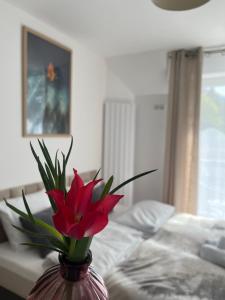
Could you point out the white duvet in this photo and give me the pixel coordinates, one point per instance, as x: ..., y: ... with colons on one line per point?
x: 168, y: 267
x: 109, y: 248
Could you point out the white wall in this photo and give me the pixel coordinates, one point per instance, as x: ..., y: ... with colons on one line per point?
x: 142, y: 73
x: 145, y: 76
x: 150, y: 145
x: 116, y: 89
x: 88, y: 91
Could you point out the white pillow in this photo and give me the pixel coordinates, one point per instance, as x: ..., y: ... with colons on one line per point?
x: 36, y: 201
x: 109, y: 247
x: 147, y: 216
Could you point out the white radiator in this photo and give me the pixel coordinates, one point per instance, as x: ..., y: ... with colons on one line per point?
x: 118, y: 154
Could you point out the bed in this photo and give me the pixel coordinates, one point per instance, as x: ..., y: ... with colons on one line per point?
x: 168, y: 266
x: 152, y: 256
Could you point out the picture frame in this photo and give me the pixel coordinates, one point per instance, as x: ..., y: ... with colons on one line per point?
x: 46, y: 86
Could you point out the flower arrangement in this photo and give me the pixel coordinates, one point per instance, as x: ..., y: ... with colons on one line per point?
x: 75, y: 217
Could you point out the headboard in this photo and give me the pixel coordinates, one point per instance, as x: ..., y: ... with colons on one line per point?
x: 35, y: 187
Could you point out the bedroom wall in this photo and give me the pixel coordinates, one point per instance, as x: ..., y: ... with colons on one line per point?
x: 17, y: 165
x: 116, y: 89
x: 150, y: 145
x: 142, y: 73
x: 144, y: 76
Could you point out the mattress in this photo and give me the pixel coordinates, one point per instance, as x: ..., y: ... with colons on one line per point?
x: 19, y: 270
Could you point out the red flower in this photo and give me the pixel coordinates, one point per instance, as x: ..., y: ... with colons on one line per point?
x: 76, y: 215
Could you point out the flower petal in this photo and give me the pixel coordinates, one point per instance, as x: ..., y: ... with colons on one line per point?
x: 60, y: 222
x: 106, y: 205
x: 97, y: 225
x: 91, y: 224
x: 58, y: 197
x: 71, y: 196
x: 76, y: 231
x: 85, y: 196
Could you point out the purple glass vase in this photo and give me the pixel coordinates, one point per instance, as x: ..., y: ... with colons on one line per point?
x: 68, y: 281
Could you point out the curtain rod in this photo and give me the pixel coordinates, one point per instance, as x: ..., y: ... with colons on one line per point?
x: 206, y: 51
x: 214, y: 51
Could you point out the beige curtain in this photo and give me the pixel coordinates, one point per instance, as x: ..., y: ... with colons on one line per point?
x: 181, y: 158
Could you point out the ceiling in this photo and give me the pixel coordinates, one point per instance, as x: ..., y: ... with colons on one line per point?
x: 115, y: 27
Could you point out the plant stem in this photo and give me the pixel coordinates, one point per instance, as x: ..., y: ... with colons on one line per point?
x: 79, y: 249
x: 72, y: 248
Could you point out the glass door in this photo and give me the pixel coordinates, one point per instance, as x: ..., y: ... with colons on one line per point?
x: 211, y: 188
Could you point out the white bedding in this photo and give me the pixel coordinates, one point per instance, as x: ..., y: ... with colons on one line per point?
x: 36, y: 201
x: 109, y: 248
x: 168, y: 267
x: 19, y: 270
x: 115, y: 244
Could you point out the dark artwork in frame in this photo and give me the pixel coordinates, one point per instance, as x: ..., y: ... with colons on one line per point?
x: 46, y: 85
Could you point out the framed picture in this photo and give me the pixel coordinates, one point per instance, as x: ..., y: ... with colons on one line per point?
x: 46, y: 68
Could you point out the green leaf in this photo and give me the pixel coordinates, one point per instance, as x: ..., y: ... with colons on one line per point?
x: 107, y: 187
x: 58, y: 244
x: 48, y: 158
x: 69, y: 152
x: 27, y: 208
x: 56, y: 159
x: 44, y: 176
x: 50, y: 178
x: 66, y: 240
x: 31, y: 233
x: 40, y: 167
x: 17, y: 211
x: 131, y: 179
x: 63, y: 180
x: 50, y: 229
x: 54, y: 241
x: 33, y: 151
x: 58, y: 177
x: 59, y: 169
x: 96, y: 175
x: 47, y: 185
x: 37, y: 245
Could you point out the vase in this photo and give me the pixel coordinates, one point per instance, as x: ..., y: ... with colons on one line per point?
x: 70, y: 281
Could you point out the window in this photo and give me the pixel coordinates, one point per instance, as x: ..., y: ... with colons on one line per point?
x: 211, y: 189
